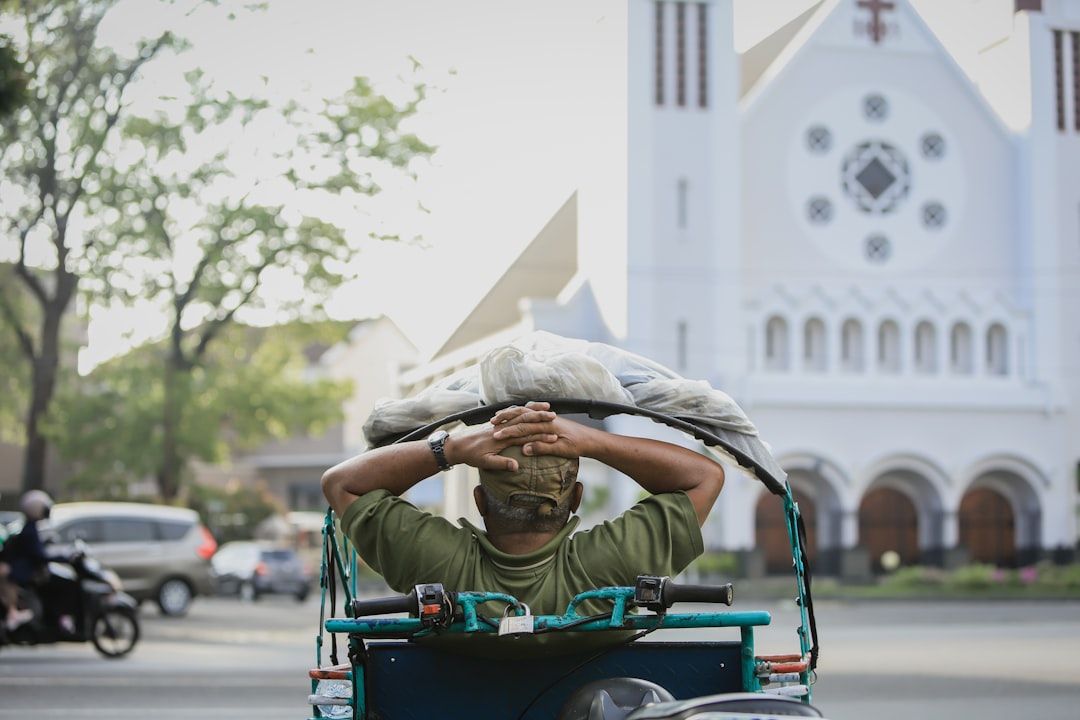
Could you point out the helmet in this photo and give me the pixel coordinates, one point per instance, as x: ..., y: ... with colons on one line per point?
x: 36, y: 504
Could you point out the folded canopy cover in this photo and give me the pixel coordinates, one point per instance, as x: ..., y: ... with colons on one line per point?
x: 545, y: 366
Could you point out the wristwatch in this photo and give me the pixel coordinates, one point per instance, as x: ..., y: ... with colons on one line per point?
x: 436, y: 441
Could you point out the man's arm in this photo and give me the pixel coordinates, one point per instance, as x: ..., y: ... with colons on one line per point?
x: 662, y: 467
x: 655, y: 465
x: 398, y: 467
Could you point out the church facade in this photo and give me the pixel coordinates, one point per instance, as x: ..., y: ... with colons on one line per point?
x: 842, y: 229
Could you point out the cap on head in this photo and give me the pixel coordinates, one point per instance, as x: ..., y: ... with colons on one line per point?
x: 541, y: 481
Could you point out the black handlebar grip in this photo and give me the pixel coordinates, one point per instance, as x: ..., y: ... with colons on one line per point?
x: 383, y: 606
x: 698, y: 593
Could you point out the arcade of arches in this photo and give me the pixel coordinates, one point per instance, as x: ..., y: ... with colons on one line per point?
x: 889, y: 520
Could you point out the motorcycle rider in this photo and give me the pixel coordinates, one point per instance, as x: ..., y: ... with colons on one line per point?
x: 9, y: 598
x: 28, y: 559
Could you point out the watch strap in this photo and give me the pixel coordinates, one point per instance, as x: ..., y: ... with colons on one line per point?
x: 436, y: 442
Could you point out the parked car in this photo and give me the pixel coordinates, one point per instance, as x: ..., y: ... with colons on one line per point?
x: 251, y: 569
x: 161, y: 553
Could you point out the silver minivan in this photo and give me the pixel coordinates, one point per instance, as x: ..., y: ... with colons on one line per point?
x: 161, y: 553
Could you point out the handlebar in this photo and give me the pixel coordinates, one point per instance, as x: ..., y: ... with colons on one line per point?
x: 435, y: 606
x: 384, y: 606
x: 723, y: 594
x: 433, y: 609
x: 660, y: 593
x: 431, y: 603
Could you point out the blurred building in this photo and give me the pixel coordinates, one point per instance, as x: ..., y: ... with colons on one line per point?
x: 873, y: 249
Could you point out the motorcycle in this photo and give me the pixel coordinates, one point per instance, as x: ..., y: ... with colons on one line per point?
x: 100, y: 611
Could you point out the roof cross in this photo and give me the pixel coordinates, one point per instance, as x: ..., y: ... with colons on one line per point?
x: 876, y: 26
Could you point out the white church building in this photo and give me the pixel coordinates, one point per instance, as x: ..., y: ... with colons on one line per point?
x: 875, y: 252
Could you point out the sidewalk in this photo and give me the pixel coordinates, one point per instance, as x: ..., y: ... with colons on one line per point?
x: 772, y: 588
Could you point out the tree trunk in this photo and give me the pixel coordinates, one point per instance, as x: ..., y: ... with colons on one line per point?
x: 167, y: 473
x: 175, y: 365
x: 36, y: 444
x: 45, y: 364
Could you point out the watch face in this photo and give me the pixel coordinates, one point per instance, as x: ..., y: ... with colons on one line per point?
x: 875, y: 179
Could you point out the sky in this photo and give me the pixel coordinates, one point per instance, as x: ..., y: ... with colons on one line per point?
x: 517, y: 100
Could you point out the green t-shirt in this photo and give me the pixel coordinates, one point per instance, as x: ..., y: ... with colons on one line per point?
x: 658, y: 536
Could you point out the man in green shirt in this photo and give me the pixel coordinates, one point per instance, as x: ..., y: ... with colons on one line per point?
x: 528, y: 462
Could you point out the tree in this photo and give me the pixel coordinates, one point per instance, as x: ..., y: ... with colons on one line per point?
x: 251, y: 387
x: 51, y: 150
x: 176, y: 208
x: 12, y: 79
x: 15, y: 378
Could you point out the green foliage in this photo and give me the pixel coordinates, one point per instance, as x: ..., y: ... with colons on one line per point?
x: 717, y: 565
x: 595, y: 499
x: 215, y: 216
x: 51, y: 150
x: 109, y: 426
x: 915, y: 576
x: 1064, y: 578
x: 234, y: 512
x: 1043, y: 578
x: 13, y: 79
x: 976, y: 576
x: 201, y: 208
x: 251, y: 388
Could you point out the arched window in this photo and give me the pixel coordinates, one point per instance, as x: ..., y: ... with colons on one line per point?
x: 851, y: 346
x: 776, y: 343
x: 814, y: 359
x: 997, y: 350
x: 925, y: 348
x: 889, y: 347
x: 961, y: 357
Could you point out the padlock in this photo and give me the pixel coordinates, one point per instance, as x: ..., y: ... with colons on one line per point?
x: 516, y: 624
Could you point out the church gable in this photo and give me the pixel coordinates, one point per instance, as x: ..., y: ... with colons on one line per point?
x: 757, y: 59
x: 868, y: 150
x: 836, y: 29
x: 542, y: 270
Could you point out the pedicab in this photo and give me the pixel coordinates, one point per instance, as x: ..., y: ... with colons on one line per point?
x: 396, y: 665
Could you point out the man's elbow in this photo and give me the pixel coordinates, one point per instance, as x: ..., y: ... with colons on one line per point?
x: 709, y: 487
x: 327, y: 482
x: 332, y: 487
x: 718, y: 478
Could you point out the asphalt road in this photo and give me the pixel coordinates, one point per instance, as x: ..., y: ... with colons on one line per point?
x: 224, y: 659
x: 883, y: 661
x: 938, y: 661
